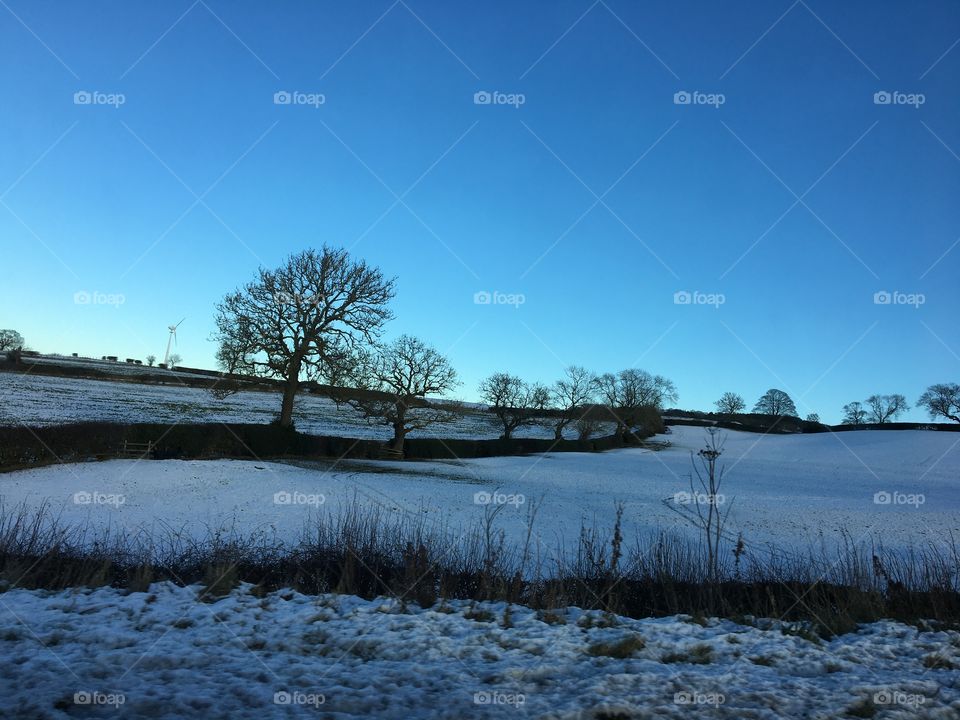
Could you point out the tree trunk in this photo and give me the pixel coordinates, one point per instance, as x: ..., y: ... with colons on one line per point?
x: 286, y: 409
x: 290, y: 393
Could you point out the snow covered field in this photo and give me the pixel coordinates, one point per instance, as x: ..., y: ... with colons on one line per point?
x: 44, y: 400
x: 165, y: 654
x: 794, y: 491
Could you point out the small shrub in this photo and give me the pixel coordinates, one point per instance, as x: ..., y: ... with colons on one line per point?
x: 478, y: 614
x: 696, y: 655
x: 621, y: 649
x: 933, y: 661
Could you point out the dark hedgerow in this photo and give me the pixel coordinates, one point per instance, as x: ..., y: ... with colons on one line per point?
x: 362, y: 550
x: 25, y: 447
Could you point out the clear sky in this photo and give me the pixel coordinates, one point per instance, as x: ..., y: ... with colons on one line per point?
x: 784, y: 188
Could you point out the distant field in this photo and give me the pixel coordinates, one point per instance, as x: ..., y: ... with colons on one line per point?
x: 47, y: 400
x: 795, y: 491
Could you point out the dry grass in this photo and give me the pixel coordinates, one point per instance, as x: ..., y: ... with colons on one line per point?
x: 363, y: 551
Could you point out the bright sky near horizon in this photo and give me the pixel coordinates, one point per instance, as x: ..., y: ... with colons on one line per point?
x: 736, y: 195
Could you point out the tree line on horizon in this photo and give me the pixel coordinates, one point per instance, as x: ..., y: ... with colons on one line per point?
x: 320, y: 315
x: 940, y: 400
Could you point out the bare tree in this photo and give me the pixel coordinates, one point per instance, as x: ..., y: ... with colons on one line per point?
x: 813, y: 417
x: 391, y: 384
x: 730, y: 403
x: 151, y: 359
x: 609, y: 390
x: 515, y: 402
x: 943, y: 400
x: 297, y: 319
x: 570, y: 395
x: 639, y: 388
x: 775, y: 402
x: 630, y: 391
x: 854, y: 413
x: 174, y: 360
x: 10, y: 340
x: 884, y: 408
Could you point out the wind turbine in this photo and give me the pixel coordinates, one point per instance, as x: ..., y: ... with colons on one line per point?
x: 171, y: 339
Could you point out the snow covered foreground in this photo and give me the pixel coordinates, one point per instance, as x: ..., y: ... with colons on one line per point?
x: 794, y: 491
x: 164, y: 654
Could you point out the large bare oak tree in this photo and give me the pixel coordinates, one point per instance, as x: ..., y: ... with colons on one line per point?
x: 295, y: 321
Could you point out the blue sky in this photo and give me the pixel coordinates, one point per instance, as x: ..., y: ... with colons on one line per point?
x: 597, y: 199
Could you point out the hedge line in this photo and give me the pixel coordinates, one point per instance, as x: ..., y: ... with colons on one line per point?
x: 25, y: 447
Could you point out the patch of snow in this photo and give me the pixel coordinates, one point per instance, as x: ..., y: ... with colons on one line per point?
x: 165, y: 654
x: 794, y: 491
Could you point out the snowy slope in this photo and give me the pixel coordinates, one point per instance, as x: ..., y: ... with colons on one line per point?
x: 41, y: 400
x: 103, y: 653
x: 792, y: 490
